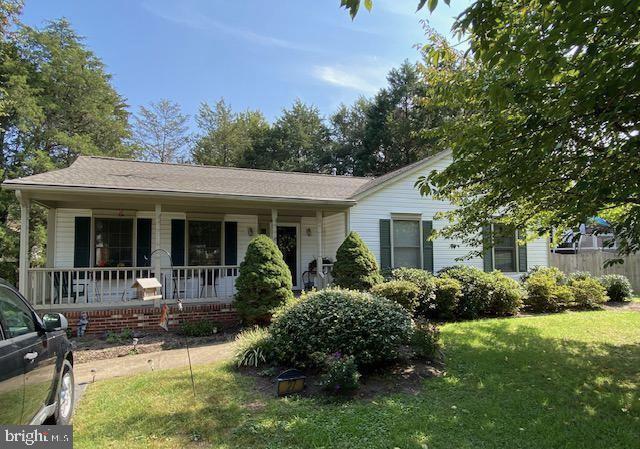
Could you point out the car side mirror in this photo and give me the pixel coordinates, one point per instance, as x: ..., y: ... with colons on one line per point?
x: 55, y: 322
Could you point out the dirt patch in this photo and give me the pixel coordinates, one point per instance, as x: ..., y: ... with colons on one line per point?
x: 402, y: 378
x: 87, y: 349
x: 627, y: 305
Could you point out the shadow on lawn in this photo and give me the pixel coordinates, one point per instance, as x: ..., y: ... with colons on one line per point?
x: 507, y: 386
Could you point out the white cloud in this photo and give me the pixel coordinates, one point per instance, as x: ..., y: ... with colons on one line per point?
x: 187, y: 17
x: 366, y: 77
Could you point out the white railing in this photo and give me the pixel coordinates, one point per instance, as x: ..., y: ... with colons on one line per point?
x: 49, y: 287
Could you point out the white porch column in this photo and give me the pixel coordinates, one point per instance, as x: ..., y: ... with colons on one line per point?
x: 23, y: 268
x: 274, y: 224
x: 319, y: 259
x: 157, y: 264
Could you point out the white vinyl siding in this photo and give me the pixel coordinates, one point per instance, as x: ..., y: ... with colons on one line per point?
x: 334, y: 234
x: 401, y: 197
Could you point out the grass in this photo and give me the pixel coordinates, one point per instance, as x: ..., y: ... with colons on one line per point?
x: 565, y: 381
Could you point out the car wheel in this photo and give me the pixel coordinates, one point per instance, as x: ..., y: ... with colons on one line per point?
x: 66, y: 395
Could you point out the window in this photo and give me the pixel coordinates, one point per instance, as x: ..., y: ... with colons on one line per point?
x: 406, y: 243
x: 17, y: 317
x: 205, y: 243
x: 114, y: 242
x: 505, y: 249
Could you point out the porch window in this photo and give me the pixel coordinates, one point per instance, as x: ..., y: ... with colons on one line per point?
x: 505, y: 249
x: 205, y: 243
x: 406, y: 243
x: 113, y: 242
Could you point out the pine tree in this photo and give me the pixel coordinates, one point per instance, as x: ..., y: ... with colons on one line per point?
x: 355, y: 267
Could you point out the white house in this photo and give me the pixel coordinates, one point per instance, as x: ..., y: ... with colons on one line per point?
x: 111, y: 221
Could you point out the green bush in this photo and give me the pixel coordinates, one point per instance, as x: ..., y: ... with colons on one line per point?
x: 253, y: 347
x: 448, y: 292
x: 425, y: 341
x: 588, y: 293
x: 507, y: 295
x: 124, y: 336
x: 264, y: 281
x: 404, y: 293
x: 544, y: 294
x: 355, y: 266
x: 477, y: 287
x: 425, y: 282
x: 333, y: 320
x: 341, y: 374
x: 578, y: 276
x: 202, y: 328
x: 618, y: 287
x: 558, y: 276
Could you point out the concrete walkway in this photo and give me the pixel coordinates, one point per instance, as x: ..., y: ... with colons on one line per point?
x: 142, y: 363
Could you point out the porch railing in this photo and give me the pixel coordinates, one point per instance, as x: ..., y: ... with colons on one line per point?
x: 69, y: 286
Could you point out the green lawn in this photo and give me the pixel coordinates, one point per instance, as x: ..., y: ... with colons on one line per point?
x: 564, y: 381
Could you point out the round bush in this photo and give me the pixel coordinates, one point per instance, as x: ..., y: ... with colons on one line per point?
x: 369, y: 328
x: 544, y: 294
x: 588, y: 293
x: 447, y: 296
x: 404, y: 293
x: 507, y: 295
x: 618, y: 287
x: 355, y: 267
x: 264, y: 281
x: 558, y: 276
x: 578, y: 276
x: 477, y: 287
x: 425, y: 282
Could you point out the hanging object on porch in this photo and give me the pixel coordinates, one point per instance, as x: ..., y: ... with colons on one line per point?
x: 148, y: 288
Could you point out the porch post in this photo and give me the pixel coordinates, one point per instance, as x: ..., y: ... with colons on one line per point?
x: 274, y: 224
x: 23, y: 267
x: 157, y: 266
x: 319, y: 260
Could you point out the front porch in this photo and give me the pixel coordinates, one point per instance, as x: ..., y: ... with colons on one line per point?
x: 99, y: 244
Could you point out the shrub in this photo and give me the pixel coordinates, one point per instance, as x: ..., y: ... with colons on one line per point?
x: 507, y: 295
x: 588, y: 293
x: 353, y: 323
x: 355, y: 267
x: 124, y: 336
x: 425, y: 341
x: 618, y: 287
x: 544, y: 294
x: 559, y: 276
x: 202, y: 328
x: 477, y: 287
x: 425, y: 282
x: 447, y: 296
x: 341, y: 374
x: 264, y: 281
x: 404, y: 293
x: 253, y: 347
x: 578, y: 276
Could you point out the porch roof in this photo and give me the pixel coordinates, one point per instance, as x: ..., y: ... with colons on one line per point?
x: 102, y: 174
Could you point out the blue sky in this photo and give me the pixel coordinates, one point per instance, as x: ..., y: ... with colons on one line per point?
x: 257, y: 54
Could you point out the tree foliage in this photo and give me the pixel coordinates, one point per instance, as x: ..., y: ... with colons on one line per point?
x: 161, y: 132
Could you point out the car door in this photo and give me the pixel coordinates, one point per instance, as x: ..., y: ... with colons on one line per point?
x: 11, y: 381
x: 38, y: 361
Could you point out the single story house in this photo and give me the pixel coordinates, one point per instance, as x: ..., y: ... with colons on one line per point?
x: 111, y: 221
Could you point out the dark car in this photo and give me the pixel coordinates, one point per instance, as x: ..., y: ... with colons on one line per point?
x: 36, y: 363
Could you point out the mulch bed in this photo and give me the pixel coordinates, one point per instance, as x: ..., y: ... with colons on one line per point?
x: 402, y: 378
x: 88, y: 349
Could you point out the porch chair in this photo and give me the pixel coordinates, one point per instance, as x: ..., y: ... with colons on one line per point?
x: 76, y: 287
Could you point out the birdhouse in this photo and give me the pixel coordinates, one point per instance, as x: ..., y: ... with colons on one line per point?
x: 148, y: 288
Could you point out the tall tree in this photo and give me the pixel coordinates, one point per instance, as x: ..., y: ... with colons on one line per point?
x: 226, y: 136
x: 161, y: 131
x: 58, y: 104
x: 348, y: 135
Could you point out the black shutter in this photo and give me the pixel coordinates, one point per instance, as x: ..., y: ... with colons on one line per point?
x: 230, y: 243
x: 385, y: 244
x: 487, y: 254
x: 143, y: 244
x: 427, y: 246
x: 177, y: 242
x: 82, y: 242
x: 522, y: 257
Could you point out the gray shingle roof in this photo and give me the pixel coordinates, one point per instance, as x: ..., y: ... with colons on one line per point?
x: 112, y: 173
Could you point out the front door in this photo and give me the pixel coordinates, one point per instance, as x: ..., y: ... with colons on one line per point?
x: 287, y: 239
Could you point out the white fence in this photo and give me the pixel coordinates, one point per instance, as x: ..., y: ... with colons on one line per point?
x: 593, y: 262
